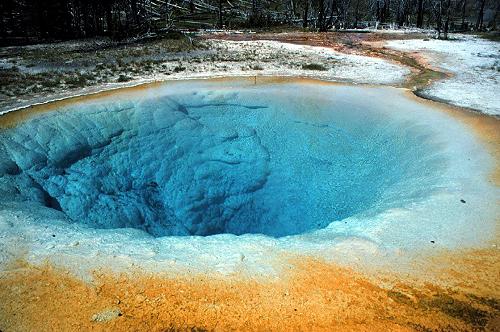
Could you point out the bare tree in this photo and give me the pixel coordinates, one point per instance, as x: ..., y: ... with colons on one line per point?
x: 420, y: 13
x: 464, y: 5
x: 305, y: 20
x: 62, y: 19
x: 480, y: 15
x: 446, y: 15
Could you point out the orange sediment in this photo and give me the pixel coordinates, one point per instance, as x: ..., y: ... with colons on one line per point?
x: 313, y: 295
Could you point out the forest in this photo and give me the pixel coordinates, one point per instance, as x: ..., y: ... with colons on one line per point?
x: 26, y: 21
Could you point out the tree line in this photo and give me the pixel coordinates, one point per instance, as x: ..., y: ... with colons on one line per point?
x: 25, y: 20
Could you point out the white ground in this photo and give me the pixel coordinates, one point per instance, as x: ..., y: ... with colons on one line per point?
x: 249, y: 58
x: 474, y: 63
x: 284, y: 59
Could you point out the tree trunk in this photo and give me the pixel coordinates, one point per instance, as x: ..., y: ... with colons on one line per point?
x: 447, y: 19
x: 387, y: 13
x: 479, y: 22
x: 439, y: 18
x: 399, y: 15
x: 133, y: 7
x: 321, y: 16
x: 378, y: 12
x: 420, y: 13
x: 220, y: 15
x: 333, y: 9
x: 356, y: 15
x: 463, y: 14
x: 3, y: 16
x: 109, y: 18
x: 495, y: 17
x: 306, y: 14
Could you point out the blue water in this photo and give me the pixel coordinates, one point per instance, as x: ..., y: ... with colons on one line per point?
x: 203, y: 159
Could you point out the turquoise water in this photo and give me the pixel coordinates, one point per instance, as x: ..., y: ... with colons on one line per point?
x: 205, y: 159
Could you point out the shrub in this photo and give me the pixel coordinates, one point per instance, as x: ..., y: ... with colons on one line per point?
x: 179, y: 69
x: 123, y: 78
x: 313, y: 66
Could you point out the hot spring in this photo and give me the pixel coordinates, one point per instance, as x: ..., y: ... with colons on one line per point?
x: 298, y: 161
